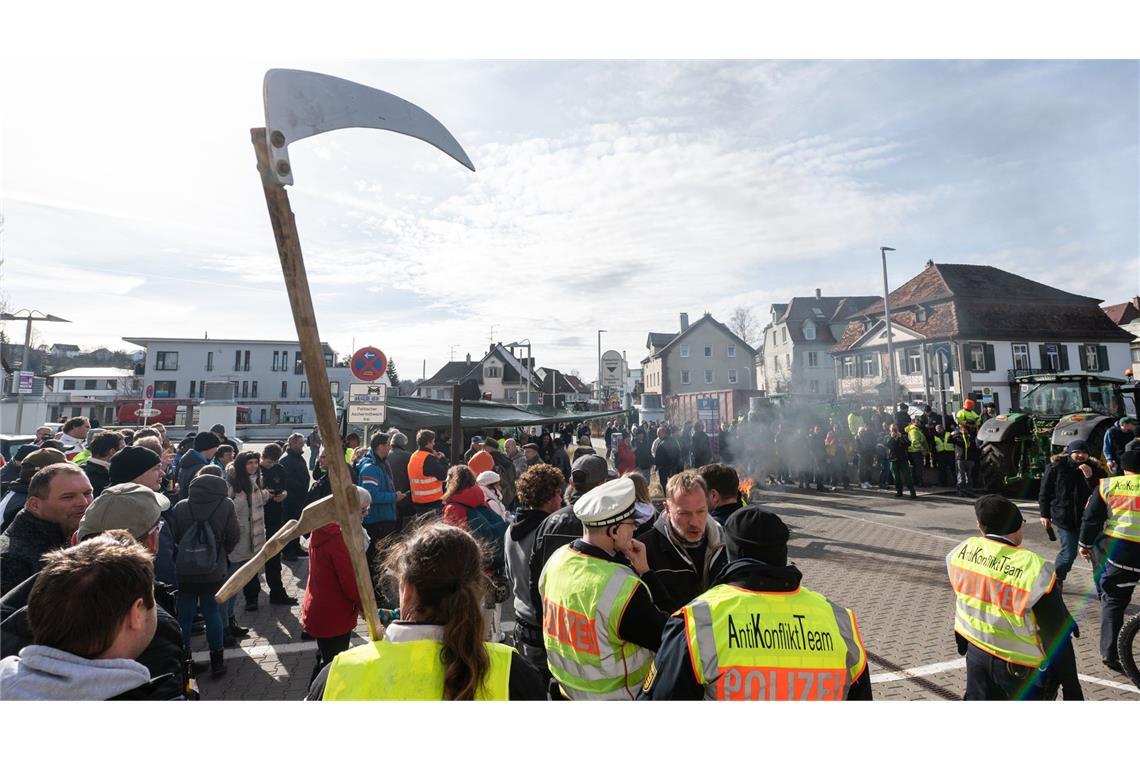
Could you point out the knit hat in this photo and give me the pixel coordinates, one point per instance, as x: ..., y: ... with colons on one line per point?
x: 131, y: 462
x: 1077, y: 446
x: 481, y: 462
x: 23, y: 452
x: 126, y: 506
x: 206, y: 441
x: 1130, y: 460
x: 488, y: 478
x: 997, y: 514
x: 755, y: 533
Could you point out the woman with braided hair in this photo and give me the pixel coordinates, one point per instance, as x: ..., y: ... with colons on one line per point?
x: 435, y: 650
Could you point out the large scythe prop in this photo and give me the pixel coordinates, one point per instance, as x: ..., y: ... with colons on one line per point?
x: 299, y: 104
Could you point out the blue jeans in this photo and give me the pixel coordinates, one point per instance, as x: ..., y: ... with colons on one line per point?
x: 1067, y: 553
x: 187, y: 604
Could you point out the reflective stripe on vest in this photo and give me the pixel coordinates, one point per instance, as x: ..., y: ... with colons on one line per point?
x: 997, y: 586
x: 583, y: 599
x: 408, y: 671
x: 1122, y: 496
x: 425, y: 489
x: 749, y: 645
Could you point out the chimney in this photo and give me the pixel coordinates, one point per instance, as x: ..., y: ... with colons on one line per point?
x: 818, y: 294
x: 468, y: 358
x: 684, y: 321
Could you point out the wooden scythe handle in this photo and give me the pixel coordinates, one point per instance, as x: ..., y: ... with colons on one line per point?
x: 304, y: 317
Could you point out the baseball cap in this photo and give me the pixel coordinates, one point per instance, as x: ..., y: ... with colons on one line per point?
x: 608, y: 504
x: 531, y: 446
x: 37, y: 460
x: 997, y: 514
x: 589, y: 471
x: 476, y: 439
x: 126, y: 506
x: 1128, y: 420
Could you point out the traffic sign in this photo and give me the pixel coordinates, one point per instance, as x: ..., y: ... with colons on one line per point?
x: 150, y: 390
x: 366, y: 415
x: 26, y: 384
x: 366, y: 403
x: 368, y: 364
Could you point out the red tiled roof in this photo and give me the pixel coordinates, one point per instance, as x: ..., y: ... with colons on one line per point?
x: 1123, y: 313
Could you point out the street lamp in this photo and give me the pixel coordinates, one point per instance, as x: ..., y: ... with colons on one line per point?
x: 890, y: 344
x: 29, y: 315
x: 600, y: 363
x: 529, y: 364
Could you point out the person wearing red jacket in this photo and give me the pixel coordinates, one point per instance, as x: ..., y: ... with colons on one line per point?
x: 625, y: 460
x: 332, y: 603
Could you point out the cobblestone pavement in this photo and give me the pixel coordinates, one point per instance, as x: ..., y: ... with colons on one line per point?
x: 883, y: 557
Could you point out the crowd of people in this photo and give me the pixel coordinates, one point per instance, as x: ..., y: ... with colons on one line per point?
x: 615, y: 593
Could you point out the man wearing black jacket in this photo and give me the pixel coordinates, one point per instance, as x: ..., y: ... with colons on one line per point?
x: 275, y: 480
x: 296, y: 486
x: 1066, y: 486
x: 667, y: 455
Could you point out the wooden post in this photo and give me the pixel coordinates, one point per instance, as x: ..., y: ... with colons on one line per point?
x: 304, y: 317
x: 456, y: 427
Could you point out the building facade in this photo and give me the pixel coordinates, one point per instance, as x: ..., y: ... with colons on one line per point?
x: 796, y: 357
x: 969, y: 331
x: 703, y: 356
x: 90, y: 392
x: 500, y: 376
x: 268, y: 376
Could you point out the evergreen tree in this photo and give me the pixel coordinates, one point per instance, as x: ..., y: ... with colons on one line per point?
x: 393, y: 377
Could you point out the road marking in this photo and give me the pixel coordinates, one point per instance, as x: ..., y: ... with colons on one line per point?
x: 960, y: 663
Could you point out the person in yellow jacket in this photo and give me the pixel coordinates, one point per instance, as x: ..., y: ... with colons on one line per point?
x: 436, y: 650
x: 966, y: 416
x: 600, y: 627
x: 757, y: 634
x: 1010, y: 621
x: 917, y: 448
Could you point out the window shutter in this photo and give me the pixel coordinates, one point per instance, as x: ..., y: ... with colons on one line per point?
x: 1102, y: 358
x: 988, y: 349
x: 1063, y: 352
x: 1083, y: 357
x: 1044, y: 357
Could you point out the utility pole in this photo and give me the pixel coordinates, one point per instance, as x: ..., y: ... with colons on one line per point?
x: 29, y: 315
x: 600, y: 363
x: 890, y: 344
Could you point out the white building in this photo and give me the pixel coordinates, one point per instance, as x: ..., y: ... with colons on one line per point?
x: 89, y: 392
x: 268, y: 376
x: 963, y: 330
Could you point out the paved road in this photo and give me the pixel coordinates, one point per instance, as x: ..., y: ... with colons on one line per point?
x: 883, y: 557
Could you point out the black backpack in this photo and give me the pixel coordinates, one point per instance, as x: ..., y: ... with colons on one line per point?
x: 197, y: 549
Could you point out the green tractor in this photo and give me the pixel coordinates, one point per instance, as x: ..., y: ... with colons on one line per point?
x: 1049, y: 410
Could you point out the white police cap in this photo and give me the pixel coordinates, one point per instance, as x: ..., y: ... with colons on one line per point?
x: 606, y: 504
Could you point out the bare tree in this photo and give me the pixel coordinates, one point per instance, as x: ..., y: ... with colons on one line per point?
x: 743, y: 322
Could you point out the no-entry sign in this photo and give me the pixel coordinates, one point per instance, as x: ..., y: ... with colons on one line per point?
x: 369, y: 364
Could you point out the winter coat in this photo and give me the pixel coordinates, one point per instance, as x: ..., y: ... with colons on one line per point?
x: 1065, y: 490
x: 700, y: 448
x: 187, y: 467
x: 23, y: 545
x: 670, y: 562
x: 13, y: 502
x: 965, y: 445
x: 332, y: 601
x: 517, y: 547
x: 1115, y: 439
x: 468, y: 510
x: 251, y: 523
x: 398, y: 463
x: 916, y: 439
x: 491, y: 499
x: 99, y: 476
x: 668, y: 456
x: 296, y: 479
x: 209, y: 501
x: 375, y: 476
x: 561, y: 460
x: 897, y: 449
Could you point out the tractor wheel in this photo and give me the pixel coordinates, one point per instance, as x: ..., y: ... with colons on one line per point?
x: 997, y: 463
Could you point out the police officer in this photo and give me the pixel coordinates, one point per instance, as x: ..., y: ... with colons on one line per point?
x: 943, y: 455
x: 599, y: 624
x: 440, y: 574
x: 1009, y: 612
x: 1115, y: 509
x: 804, y: 647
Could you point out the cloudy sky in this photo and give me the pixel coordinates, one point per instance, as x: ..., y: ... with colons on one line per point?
x: 608, y: 195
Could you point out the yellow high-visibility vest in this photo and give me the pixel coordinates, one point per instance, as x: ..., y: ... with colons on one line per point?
x: 583, y: 598
x: 776, y: 646
x: 1122, y: 496
x: 997, y: 586
x: 407, y: 671
x: 943, y: 442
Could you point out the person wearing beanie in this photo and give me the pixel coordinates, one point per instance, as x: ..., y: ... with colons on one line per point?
x: 1068, y: 482
x: 607, y: 625
x: 140, y: 464
x: 1116, y: 440
x: 1010, y: 622
x: 805, y: 647
x: 1114, y: 510
x: 208, y: 502
x: 205, y: 446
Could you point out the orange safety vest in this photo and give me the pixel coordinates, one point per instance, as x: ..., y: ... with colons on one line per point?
x: 425, y: 488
